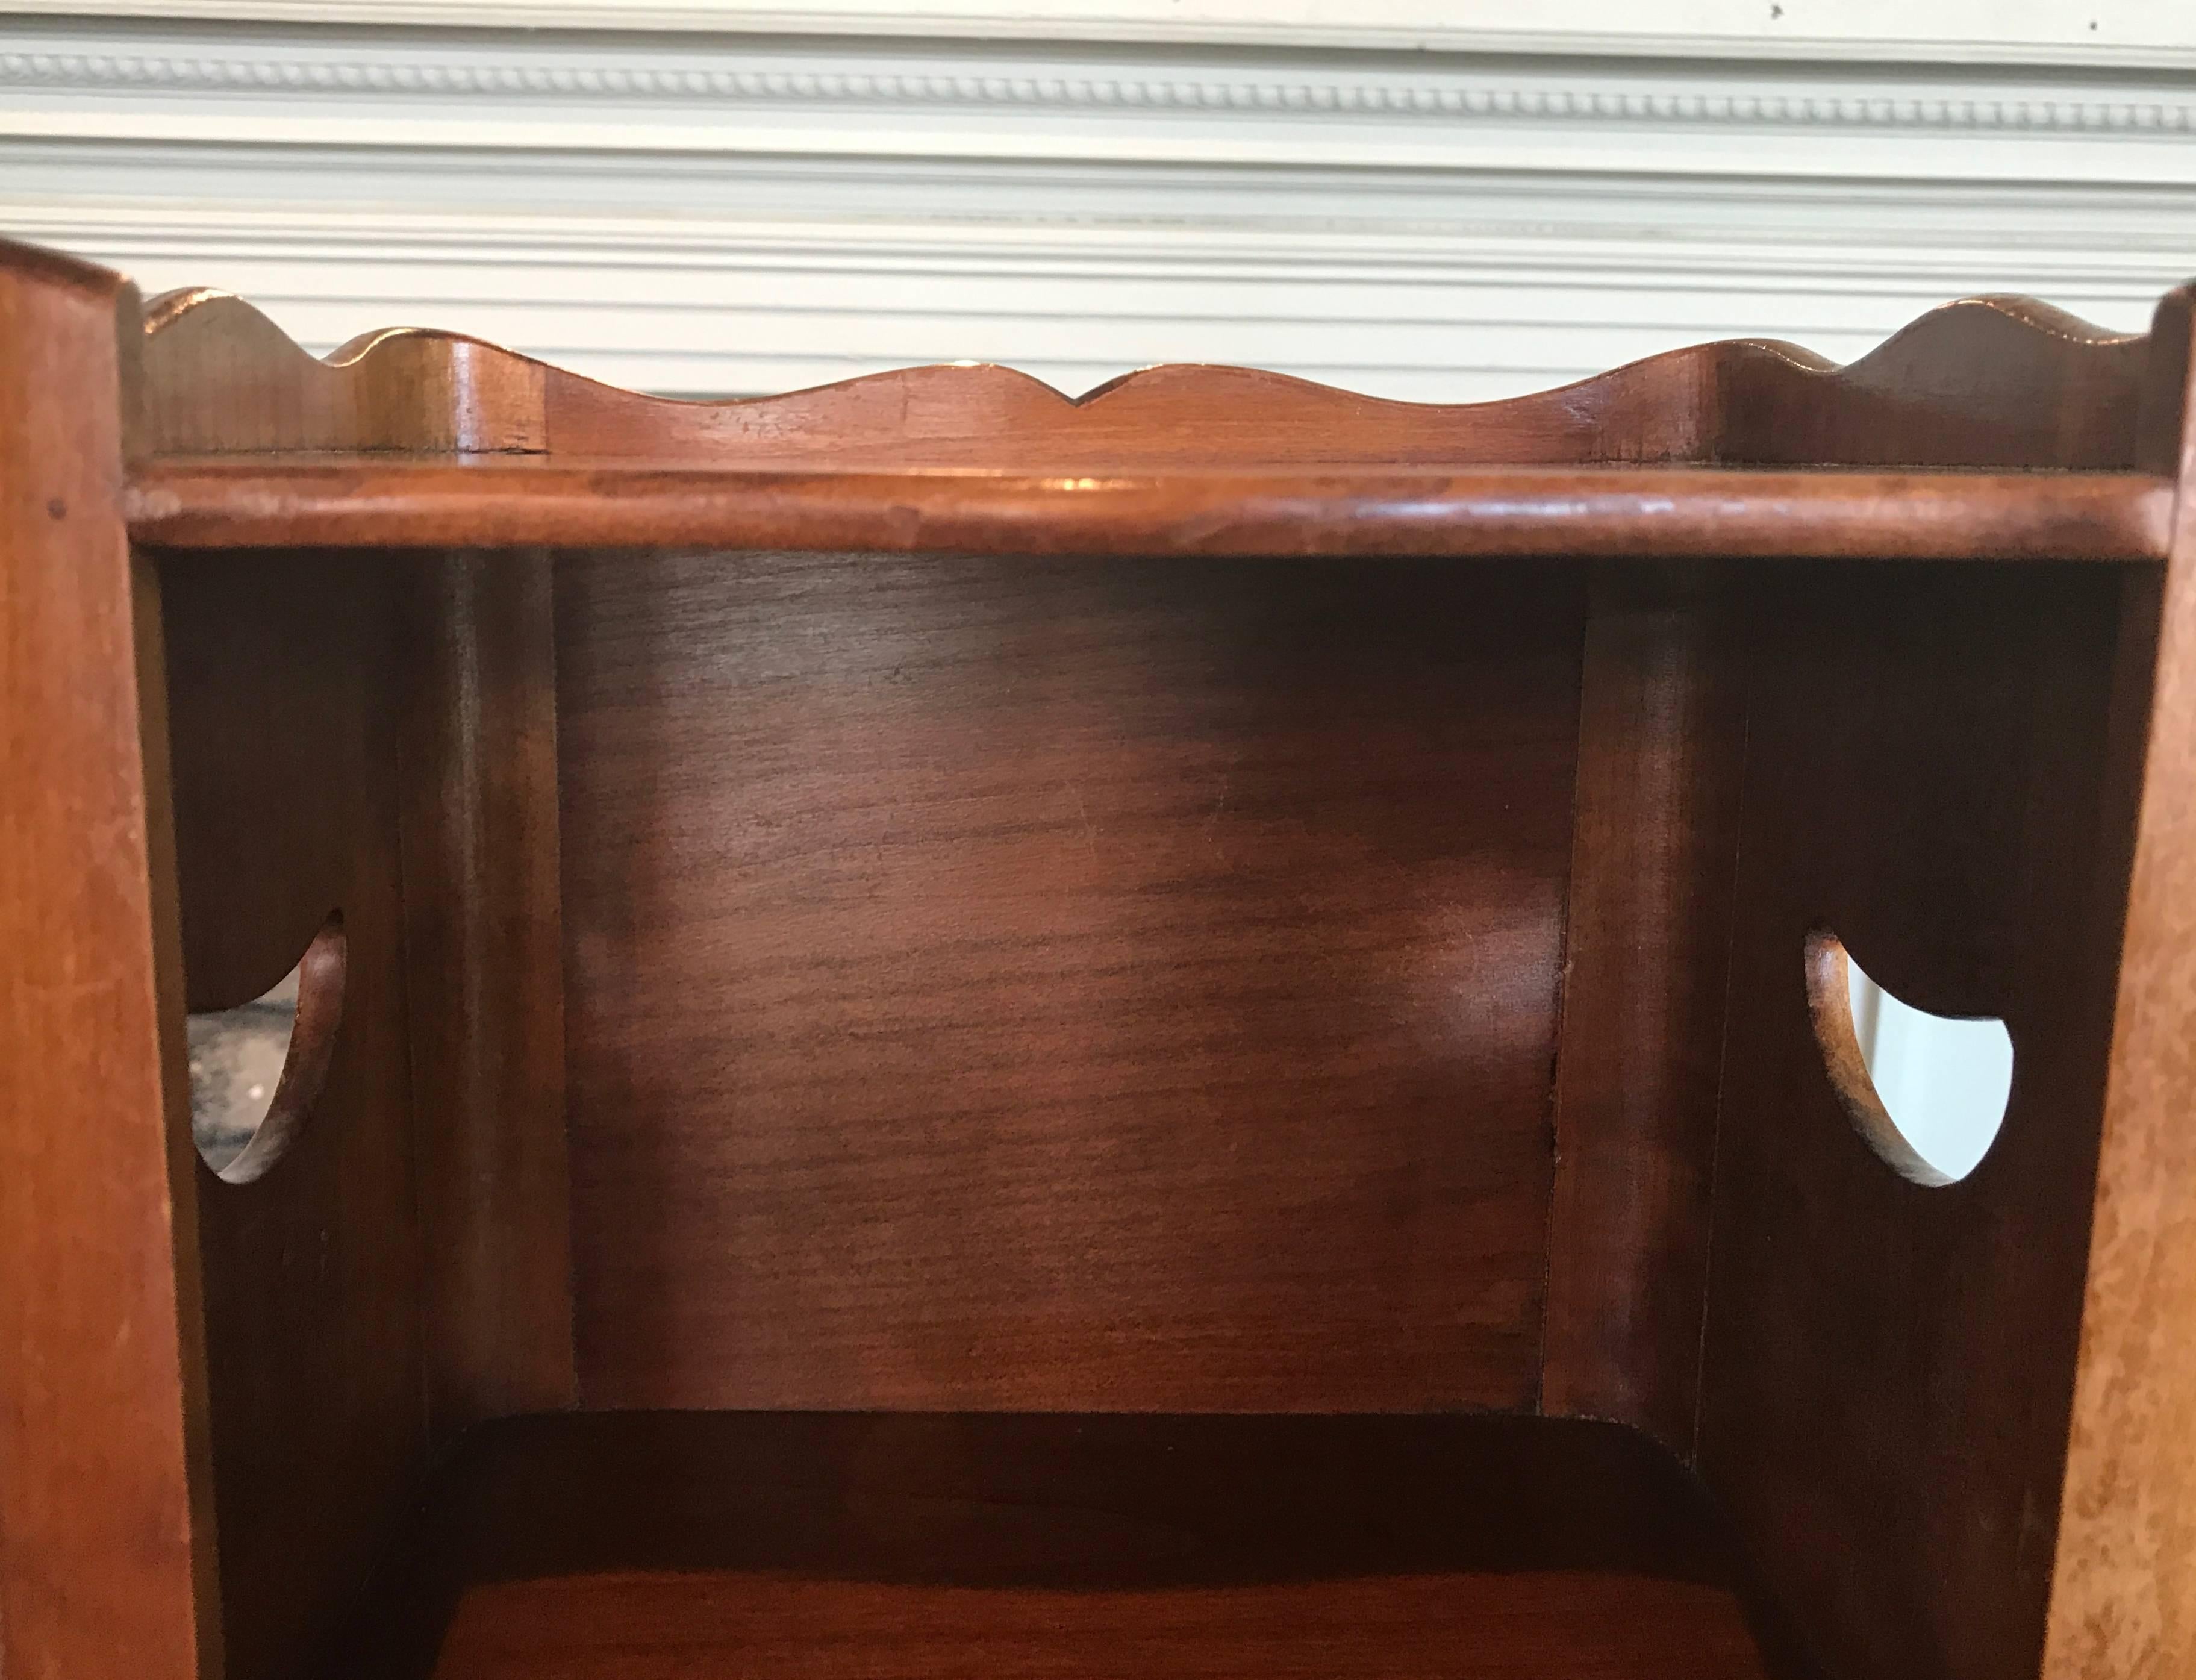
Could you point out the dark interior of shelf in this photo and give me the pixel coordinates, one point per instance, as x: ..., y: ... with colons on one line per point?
x: 649, y: 1545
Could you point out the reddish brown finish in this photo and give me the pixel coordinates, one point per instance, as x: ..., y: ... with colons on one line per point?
x: 1633, y: 513
x: 484, y: 951
x: 107, y: 1537
x: 221, y: 377
x: 1984, y: 382
x: 994, y: 418
x: 671, y: 1545
x: 1654, y: 845
x: 1014, y: 982
x: 1067, y: 987
x: 1837, y: 1040
x: 1889, y: 1367
x: 2123, y: 1598
x: 1510, y: 1625
x: 287, y: 684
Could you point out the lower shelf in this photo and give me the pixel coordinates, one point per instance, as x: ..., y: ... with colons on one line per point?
x: 648, y: 1546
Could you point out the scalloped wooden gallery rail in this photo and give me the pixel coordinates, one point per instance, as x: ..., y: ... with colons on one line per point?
x: 423, y: 439
x: 2001, y: 382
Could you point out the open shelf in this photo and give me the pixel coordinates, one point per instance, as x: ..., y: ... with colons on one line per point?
x: 876, y: 1107
x: 801, y: 1545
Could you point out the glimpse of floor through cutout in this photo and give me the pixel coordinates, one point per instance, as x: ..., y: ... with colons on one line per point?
x: 1928, y: 1092
x: 257, y: 1070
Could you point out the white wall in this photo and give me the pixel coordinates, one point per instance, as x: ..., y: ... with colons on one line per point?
x: 744, y: 209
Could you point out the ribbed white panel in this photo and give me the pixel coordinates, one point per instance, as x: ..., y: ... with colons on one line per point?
x: 717, y: 213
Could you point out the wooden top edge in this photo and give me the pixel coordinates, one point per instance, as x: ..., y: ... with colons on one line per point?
x: 1987, y: 381
x: 1646, y: 512
x: 172, y: 308
x: 44, y: 266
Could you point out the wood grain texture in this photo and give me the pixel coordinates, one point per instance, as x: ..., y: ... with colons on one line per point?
x: 1996, y: 381
x: 1989, y: 381
x: 286, y: 687
x: 1635, y: 513
x: 1510, y: 1625
x: 1000, y: 420
x: 1662, y: 748
x: 221, y: 377
x: 994, y: 983
x: 1837, y: 1039
x: 106, y: 1532
x: 483, y: 952
x: 2123, y: 1599
x: 650, y: 1544
x: 1933, y: 775
x: 1002, y: 983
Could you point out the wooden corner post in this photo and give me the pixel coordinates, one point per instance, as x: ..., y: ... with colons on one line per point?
x: 2124, y: 1592
x: 106, y: 1530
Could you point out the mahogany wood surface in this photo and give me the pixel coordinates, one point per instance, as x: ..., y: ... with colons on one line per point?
x: 1983, y: 382
x: 2123, y: 1597
x: 1934, y: 775
x: 1508, y: 1625
x: 220, y: 376
x: 1646, y: 953
x: 859, y: 902
x: 650, y: 1546
x: 287, y: 684
x: 107, y: 1531
x: 1007, y: 985
x: 484, y: 948
x: 1623, y: 513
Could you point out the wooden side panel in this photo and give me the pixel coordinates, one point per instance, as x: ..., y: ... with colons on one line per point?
x: 2124, y: 1600
x: 1662, y: 747
x: 106, y: 1536
x: 1934, y: 776
x: 484, y: 949
x: 1002, y: 983
x: 285, y: 710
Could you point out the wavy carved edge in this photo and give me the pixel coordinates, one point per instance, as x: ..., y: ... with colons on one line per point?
x: 1991, y: 381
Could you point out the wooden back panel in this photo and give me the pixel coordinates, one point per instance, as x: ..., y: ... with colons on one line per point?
x: 1000, y: 983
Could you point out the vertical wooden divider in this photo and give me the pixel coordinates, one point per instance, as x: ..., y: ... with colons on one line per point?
x: 107, y: 1541
x: 1654, y: 833
x: 479, y: 820
x: 484, y: 949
